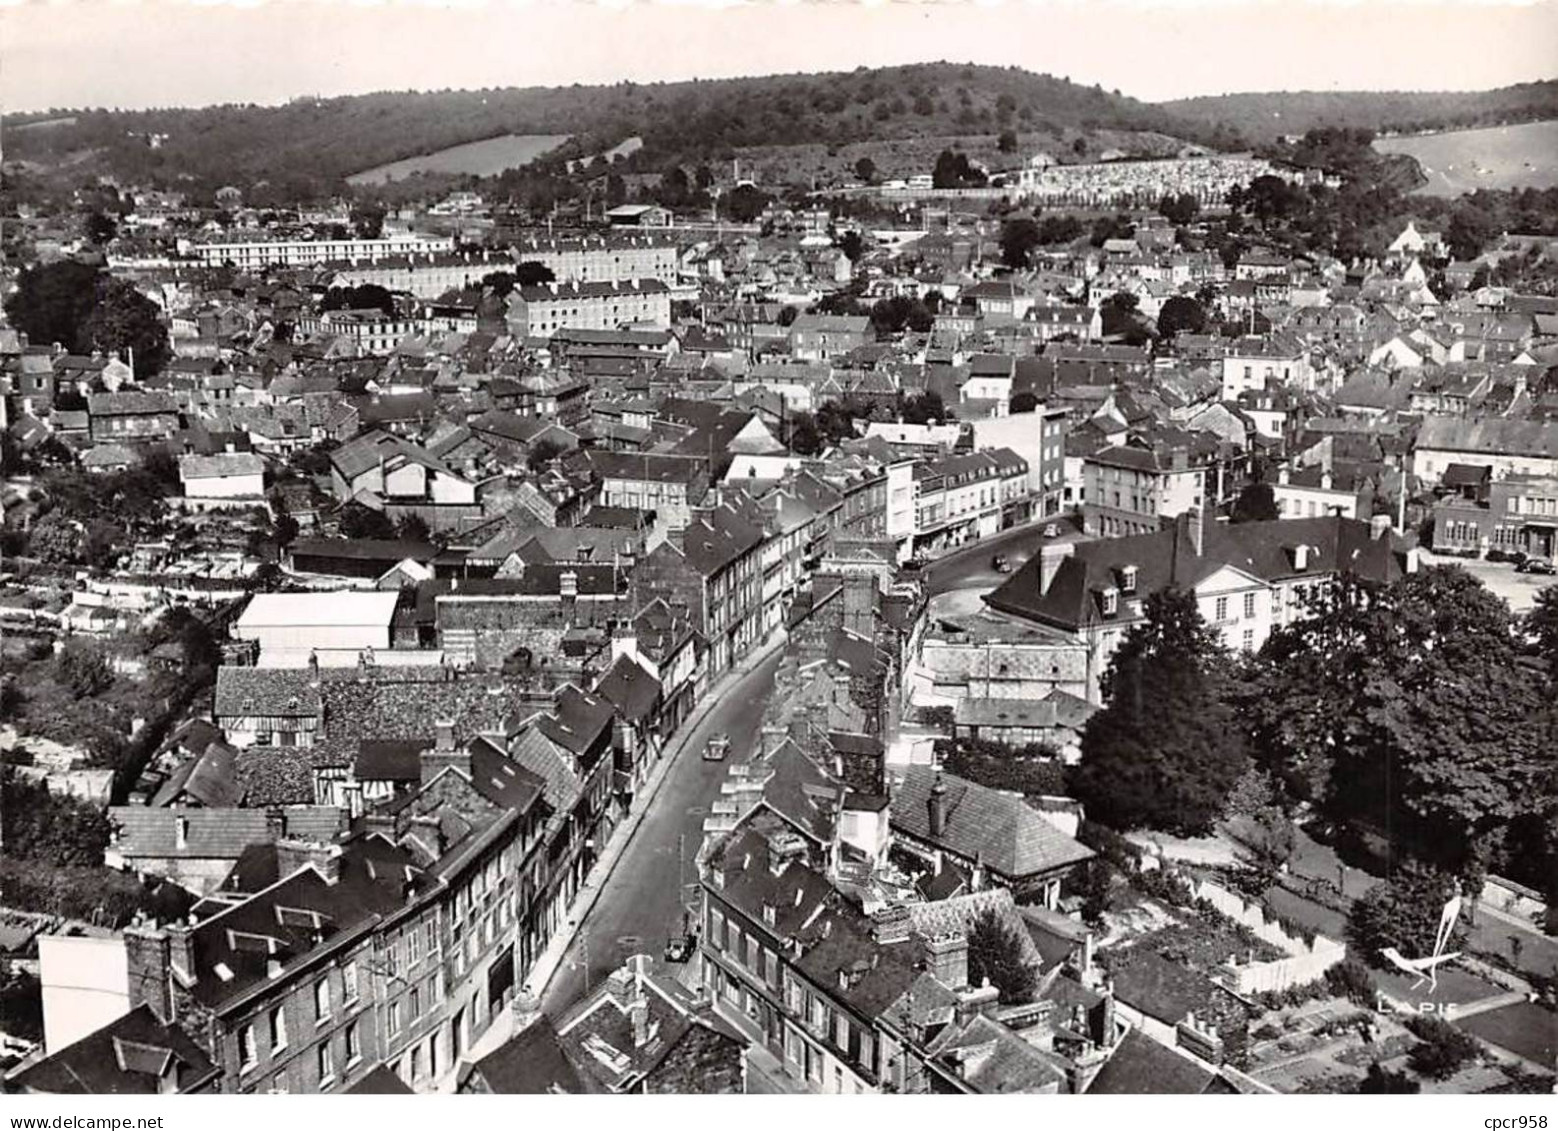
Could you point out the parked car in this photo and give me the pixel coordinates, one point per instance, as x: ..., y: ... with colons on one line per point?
x: 1001, y: 564
x: 1051, y: 529
x: 717, y: 748
x: 1537, y: 565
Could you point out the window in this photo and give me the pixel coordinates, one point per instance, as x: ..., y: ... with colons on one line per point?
x: 413, y: 947
x: 1111, y: 602
x: 1249, y: 605
x: 353, y: 1044
x: 326, y: 1065
x: 392, y: 1018
x: 416, y: 1003
x: 1249, y: 640
x: 278, y: 1030
x: 416, y: 1063
x: 248, y: 1050
x: 349, y: 982
x: 278, y: 1086
x: 322, y: 1000
x: 1222, y: 609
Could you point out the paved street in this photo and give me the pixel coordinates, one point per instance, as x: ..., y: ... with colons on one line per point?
x: 1519, y: 590
x: 968, y: 566
x: 640, y: 904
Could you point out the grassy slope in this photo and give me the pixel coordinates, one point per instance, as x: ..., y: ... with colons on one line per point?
x: 1264, y: 116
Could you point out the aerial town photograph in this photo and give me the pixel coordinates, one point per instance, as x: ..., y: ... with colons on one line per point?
x: 1001, y: 549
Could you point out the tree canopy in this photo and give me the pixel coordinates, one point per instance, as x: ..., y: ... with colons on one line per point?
x: 1166, y: 750
x: 995, y: 953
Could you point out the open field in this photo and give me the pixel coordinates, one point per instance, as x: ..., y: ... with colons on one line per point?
x: 478, y: 158
x: 1523, y: 156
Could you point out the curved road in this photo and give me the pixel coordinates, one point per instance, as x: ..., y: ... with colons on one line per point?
x: 968, y: 567
x: 640, y: 904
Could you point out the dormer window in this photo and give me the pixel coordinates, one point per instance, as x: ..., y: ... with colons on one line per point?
x: 1128, y: 579
x: 1111, y: 601
x: 1300, y: 557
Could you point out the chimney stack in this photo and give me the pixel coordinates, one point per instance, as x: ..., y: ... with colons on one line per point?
x: 1379, y: 526
x: 147, y: 963
x: 1197, y: 525
x: 936, y: 807
x: 293, y: 853
x: 1050, y: 556
x: 444, y: 752
x: 948, y: 954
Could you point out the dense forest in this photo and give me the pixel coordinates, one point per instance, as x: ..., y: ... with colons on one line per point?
x: 1263, y: 117
x: 325, y: 140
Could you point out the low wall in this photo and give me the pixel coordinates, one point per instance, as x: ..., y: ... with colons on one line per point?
x: 1305, y: 962
x: 1513, y: 899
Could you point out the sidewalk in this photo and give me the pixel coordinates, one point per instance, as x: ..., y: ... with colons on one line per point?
x: 547, y: 963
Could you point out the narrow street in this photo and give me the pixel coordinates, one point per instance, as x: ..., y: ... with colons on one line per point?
x: 641, y: 902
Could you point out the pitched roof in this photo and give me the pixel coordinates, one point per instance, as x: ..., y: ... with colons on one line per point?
x: 529, y: 1063
x: 984, y: 824
x: 1141, y: 1066
x: 128, y: 1056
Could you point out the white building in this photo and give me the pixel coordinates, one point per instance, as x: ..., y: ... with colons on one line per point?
x: 248, y: 255
x: 227, y: 475
x: 290, y: 626
x: 540, y: 312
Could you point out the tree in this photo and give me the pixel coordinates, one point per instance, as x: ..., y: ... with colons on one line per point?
x: 101, y: 228
x: 1181, y: 313
x: 1542, y: 623
x: 127, y: 323
x: 1018, y: 238
x: 924, y: 408
x: 805, y: 439
x: 1165, y: 752
x: 358, y: 521
x: 1443, y: 1049
x: 533, y: 274
x: 1181, y: 209
x: 996, y: 955
x: 1257, y: 502
x: 542, y: 453
x: 50, y: 828
x: 953, y: 170
x: 1023, y: 402
x: 865, y: 169
x: 1007, y: 142
x: 53, y: 303
x: 745, y: 203
x: 1382, y: 1081
x: 1402, y: 912
x: 82, y: 669
x: 1097, y: 891
x: 368, y: 220
x: 412, y: 528
x: 788, y: 315
x: 852, y: 244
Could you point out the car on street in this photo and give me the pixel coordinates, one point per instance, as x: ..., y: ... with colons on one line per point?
x: 1001, y: 564
x: 717, y: 748
x: 1537, y: 565
x: 1051, y: 530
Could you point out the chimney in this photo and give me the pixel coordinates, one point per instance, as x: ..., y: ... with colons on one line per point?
x: 1197, y: 530
x: 147, y: 963
x: 1379, y: 526
x: 936, y: 807
x: 1325, y: 480
x: 975, y: 1000
x: 444, y: 752
x: 948, y: 955
x: 569, y: 584
x: 526, y: 1009
x: 783, y: 847
x: 293, y: 853
x: 860, y: 591
x: 1282, y: 477
x: 313, y: 668
x: 638, y: 1014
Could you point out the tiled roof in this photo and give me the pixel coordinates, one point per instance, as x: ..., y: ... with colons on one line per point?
x: 531, y: 1063
x: 211, y: 834
x: 984, y: 824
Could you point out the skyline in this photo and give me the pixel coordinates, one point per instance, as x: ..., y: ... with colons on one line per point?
x: 286, y: 49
